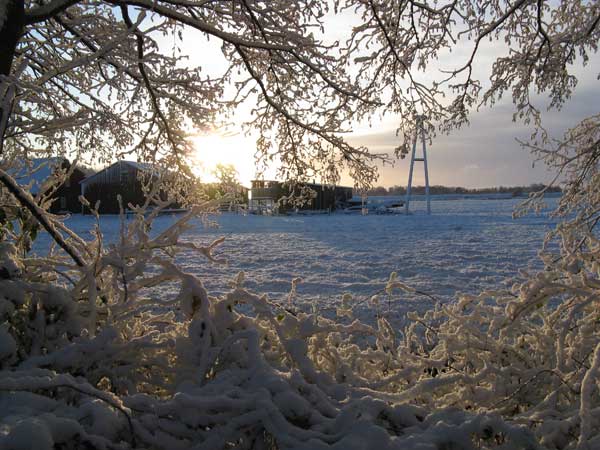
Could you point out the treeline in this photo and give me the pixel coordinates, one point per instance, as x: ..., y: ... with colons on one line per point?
x: 436, y: 190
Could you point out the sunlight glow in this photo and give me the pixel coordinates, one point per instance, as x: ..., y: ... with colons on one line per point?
x: 236, y: 150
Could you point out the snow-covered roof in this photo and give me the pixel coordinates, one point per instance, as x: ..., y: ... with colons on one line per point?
x: 34, y: 173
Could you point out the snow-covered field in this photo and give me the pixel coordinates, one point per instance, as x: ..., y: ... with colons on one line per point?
x: 466, y: 245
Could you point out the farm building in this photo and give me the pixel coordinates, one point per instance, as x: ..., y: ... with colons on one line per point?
x: 123, y: 178
x: 38, y: 175
x: 267, y: 196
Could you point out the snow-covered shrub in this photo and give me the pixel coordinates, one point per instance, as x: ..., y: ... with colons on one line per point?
x: 529, y: 354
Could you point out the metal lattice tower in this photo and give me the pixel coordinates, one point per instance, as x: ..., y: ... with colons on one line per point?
x: 420, y: 130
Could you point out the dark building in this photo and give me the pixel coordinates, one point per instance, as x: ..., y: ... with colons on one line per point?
x: 36, y: 177
x: 266, y: 197
x: 123, y: 178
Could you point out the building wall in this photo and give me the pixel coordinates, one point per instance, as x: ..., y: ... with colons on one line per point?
x: 121, y: 179
x: 66, y: 197
x: 266, y: 196
x: 105, y: 186
x: 107, y: 194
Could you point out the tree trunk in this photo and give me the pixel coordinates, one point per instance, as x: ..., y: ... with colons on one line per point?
x: 11, y: 29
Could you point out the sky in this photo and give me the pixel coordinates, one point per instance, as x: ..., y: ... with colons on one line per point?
x: 483, y: 154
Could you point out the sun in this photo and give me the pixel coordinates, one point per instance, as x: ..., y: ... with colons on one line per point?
x: 236, y: 150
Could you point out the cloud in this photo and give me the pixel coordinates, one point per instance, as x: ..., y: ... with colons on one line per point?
x: 471, y: 167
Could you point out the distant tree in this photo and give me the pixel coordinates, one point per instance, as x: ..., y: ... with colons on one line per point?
x: 379, y: 190
x: 227, y: 176
x: 228, y: 184
x: 397, y: 190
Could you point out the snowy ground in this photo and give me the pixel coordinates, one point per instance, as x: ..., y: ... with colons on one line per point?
x: 466, y: 245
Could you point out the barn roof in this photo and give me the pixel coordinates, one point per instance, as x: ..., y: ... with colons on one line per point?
x: 144, y: 167
x: 140, y: 165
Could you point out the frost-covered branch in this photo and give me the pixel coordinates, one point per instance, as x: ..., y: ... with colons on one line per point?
x: 25, y: 199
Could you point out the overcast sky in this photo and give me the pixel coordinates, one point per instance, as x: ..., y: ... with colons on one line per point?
x: 483, y: 154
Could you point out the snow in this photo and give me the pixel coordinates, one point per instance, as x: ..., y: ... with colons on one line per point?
x: 29, y: 434
x: 189, y: 368
x: 8, y: 346
x: 466, y: 245
x: 140, y: 165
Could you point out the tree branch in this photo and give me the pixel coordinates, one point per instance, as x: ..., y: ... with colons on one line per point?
x: 47, y: 11
x: 28, y: 202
